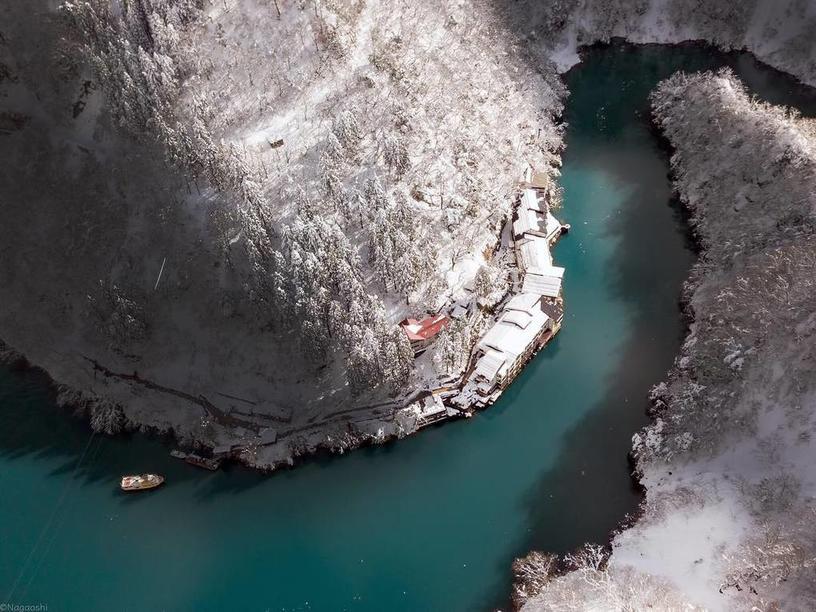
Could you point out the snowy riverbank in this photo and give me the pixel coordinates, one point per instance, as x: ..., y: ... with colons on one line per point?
x: 777, y: 33
x: 726, y: 463
x: 262, y: 441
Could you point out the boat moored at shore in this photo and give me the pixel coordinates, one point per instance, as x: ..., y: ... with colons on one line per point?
x: 208, y: 463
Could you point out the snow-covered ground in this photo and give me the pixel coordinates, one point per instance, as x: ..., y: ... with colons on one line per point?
x: 779, y: 32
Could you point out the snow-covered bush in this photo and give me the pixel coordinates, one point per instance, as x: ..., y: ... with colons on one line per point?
x: 613, y: 589
x: 530, y: 575
x: 107, y: 417
x: 774, y: 567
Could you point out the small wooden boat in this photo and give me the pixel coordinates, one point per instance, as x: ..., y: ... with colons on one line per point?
x: 203, y: 462
x: 141, y: 482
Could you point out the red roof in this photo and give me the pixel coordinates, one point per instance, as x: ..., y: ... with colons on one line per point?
x: 424, y: 329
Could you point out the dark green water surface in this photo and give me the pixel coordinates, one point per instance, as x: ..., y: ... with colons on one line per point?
x: 429, y: 523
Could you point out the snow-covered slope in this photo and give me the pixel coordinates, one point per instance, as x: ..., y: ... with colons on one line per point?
x: 215, y: 212
x: 728, y: 462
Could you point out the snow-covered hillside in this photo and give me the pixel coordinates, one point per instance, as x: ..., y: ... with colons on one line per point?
x: 215, y: 213
x: 728, y: 462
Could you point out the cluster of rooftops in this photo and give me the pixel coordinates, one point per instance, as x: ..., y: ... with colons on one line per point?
x: 534, y: 230
x: 525, y: 322
x: 533, y: 315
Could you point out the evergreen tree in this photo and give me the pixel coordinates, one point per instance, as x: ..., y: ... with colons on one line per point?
x: 348, y: 133
x: 395, y: 153
x: 331, y: 162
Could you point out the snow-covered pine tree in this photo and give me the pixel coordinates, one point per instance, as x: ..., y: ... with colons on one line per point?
x: 348, y: 133
x: 395, y: 153
x: 331, y: 163
x: 374, y: 196
x: 490, y: 284
x: 443, y: 348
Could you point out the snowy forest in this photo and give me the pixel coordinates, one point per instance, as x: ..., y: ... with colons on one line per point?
x: 288, y: 201
x: 283, y: 183
x: 356, y: 202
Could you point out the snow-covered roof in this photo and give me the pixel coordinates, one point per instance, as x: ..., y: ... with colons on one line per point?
x: 508, y: 338
x: 533, y: 252
x: 494, y: 338
x: 545, y: 285
x: 531, y: 201
x: 424, y: 329
x: 556, y: 271
x: 544, y: 280
x: 523, y: 301
x: 529, y: 222
x: 490, y: 364
x: 534, y: 217
x: 539, y: 180
x: 458, y: 312
x: 519, y: 318
x: 553, y: 226
x: 431, y: 405
x: 267, y: 436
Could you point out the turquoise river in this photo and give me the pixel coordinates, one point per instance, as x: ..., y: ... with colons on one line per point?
x: 432, y: 522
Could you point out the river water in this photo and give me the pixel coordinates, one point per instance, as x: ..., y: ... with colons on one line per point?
x: 431, y: 522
